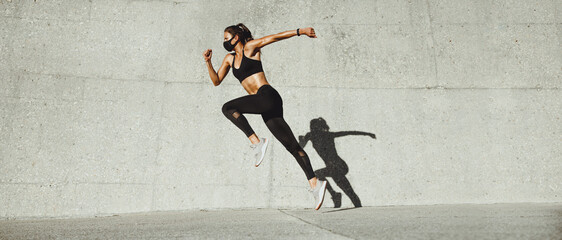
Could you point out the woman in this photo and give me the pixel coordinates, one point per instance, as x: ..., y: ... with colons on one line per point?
x: 262, y: 99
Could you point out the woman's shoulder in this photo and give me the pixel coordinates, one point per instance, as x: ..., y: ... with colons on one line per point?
x: 229, y: 59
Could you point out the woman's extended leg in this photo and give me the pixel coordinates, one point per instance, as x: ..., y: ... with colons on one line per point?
x: 281, y: 130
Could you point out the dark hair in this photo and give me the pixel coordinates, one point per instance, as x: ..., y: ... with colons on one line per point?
x: 241, y: 30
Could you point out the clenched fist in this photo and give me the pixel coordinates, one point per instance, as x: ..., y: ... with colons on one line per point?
x: 308, y: 32
x: 208, y: 54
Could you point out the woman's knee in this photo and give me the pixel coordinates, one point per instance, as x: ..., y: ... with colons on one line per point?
x: 226, y: 108
x: 230, y: 112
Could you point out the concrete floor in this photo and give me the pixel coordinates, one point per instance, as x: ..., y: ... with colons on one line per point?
x: 466, y: 221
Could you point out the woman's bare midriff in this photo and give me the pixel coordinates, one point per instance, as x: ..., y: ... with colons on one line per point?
x: 252, y: 83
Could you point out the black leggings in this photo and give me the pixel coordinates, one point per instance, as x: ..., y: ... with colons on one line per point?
x: 269, y: 104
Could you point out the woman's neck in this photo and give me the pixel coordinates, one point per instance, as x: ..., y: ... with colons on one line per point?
x: 239, y: 49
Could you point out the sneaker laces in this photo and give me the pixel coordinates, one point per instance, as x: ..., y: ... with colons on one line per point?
x: 253, y: 146
x: 318, y: 184
x: 310, y: 189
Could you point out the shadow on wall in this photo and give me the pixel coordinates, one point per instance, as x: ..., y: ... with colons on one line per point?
x: 336, y: 168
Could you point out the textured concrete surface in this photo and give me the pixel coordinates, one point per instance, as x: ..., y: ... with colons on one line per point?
x: 107, y: 107
x: 494, y: 221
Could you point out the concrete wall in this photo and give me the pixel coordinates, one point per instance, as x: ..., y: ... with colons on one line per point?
x: 107, y: 106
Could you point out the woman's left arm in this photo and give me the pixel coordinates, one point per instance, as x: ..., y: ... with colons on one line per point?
x: 264, y: 41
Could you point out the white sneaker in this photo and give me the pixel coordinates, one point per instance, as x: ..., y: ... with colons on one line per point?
x: 318, y: 193
x: 259, y: 150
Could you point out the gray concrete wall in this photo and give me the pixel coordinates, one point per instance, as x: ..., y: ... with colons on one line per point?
x: 107, y: 106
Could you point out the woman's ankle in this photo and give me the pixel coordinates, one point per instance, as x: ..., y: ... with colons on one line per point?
x: 313, y: 181
x: 254, y: 139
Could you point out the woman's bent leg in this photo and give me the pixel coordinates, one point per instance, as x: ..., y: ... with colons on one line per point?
x: 234, y: 108
x: 281, y: 130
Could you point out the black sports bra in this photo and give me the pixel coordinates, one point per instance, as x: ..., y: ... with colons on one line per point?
x: 247, y: 67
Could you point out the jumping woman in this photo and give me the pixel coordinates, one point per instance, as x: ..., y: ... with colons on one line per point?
x: 262, y: 99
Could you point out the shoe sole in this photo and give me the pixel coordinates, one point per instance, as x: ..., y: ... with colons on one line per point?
x: 323, y: 189
x: 263, y: 150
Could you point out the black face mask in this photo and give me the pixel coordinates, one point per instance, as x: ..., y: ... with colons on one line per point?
x: 229, y: 47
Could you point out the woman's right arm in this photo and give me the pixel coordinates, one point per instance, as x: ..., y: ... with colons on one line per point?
x: 216, y: 78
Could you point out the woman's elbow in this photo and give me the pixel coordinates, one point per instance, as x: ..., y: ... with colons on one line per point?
x: 216, y: 83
